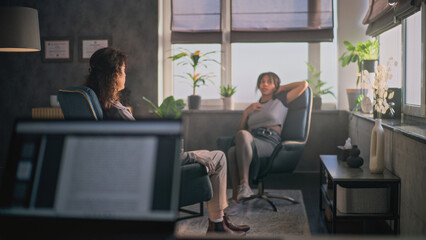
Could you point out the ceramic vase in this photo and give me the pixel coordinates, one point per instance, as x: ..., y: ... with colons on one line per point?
x: 377, y: 164
x: 228, y: 103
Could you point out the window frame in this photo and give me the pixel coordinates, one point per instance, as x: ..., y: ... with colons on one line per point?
x: 409, y: 109
x: 165, y: 68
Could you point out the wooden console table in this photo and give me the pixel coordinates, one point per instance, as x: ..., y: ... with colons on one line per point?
x: 47, y: 113
x: 340, y: 174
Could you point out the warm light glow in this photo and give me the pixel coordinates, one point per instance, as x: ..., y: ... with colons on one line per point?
x: 19, y: 50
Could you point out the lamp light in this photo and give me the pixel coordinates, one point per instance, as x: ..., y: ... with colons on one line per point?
x: 19, y: 30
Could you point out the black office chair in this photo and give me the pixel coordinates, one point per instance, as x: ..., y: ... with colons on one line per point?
x: 79, y: 102
x: 286, y: 155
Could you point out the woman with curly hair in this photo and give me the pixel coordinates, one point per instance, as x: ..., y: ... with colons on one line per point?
x: 107, y: 77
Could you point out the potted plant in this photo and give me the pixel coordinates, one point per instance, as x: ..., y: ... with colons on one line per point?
x: 194, y: 60
x: 169, y: 108
x: 226, y: 92
x: 316, y: 84
x: 365, y: 55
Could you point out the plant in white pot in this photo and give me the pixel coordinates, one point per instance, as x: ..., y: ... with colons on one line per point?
x: 194, y: 60
x: 226, y: 92
x: 316, y: 84
x: 365, y: 55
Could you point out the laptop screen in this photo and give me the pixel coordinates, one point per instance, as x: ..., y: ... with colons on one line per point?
x: 114, y: 170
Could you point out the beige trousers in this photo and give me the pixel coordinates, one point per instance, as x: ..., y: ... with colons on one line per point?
x: 215, y: 162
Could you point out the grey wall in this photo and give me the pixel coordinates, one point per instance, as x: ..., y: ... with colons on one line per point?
x: 328, y: 130
x: 27, y: 82
x: 405, y: 157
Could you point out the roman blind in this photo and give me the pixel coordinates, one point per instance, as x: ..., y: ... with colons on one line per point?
x: 282, y: 21
x: 383, y: 15
x: 196, y: 21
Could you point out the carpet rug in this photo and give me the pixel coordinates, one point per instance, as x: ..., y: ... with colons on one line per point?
x: 291, y: 219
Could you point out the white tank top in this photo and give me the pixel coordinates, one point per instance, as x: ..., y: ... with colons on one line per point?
x: 273, y: 113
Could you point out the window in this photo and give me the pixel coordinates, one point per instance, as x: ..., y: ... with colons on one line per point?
x: 183, y: 86
x: 404, y: 44
x: 245, y: 53
x: 328, y: 69
x: 414, y: 74
x: 391, y: 47
x: 287, y: 60
x: 413, y: 58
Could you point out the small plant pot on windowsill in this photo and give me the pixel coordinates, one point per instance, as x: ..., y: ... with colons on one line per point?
x: 317, y: 102
x: 228, y: 103
x: 194, y: 102
x: 353, y: 94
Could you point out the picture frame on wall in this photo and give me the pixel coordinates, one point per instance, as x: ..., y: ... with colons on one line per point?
x: 57, y: 49
x: 89, y: 45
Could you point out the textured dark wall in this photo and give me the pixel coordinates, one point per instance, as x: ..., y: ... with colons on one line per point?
x: 27, y: 82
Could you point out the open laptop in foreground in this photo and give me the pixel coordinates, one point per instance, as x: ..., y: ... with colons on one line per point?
x: 96, y: 177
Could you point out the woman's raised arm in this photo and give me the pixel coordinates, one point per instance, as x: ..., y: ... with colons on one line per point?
x: 294, y: 90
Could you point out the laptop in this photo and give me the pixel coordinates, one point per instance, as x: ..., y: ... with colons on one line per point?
x: 92, y: 176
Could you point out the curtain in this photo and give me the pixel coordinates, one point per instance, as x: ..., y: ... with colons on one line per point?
x: 382, y: 16
x: 196, y: 21
x: 282, y: 21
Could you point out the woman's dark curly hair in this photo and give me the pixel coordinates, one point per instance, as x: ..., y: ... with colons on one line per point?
x: 105, y: 63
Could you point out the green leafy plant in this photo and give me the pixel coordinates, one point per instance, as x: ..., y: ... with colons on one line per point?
x: 316, y: 84
x: 195, y: 60
x: 227, y: 91
x: 368, y: 50
x: 169, y: 108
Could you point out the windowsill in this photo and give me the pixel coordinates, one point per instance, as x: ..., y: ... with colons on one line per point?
x: 414, y: 131
x: 212, y: 111
x: 216, y: 105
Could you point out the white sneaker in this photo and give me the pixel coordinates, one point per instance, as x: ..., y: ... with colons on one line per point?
x: 233, y: 208
x: 244, y: 191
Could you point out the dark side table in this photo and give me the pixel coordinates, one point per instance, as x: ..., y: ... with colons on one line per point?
x: 340, y: 174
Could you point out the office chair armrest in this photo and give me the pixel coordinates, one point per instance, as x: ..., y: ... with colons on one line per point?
x: 293, y: 145
x: 193, y: 170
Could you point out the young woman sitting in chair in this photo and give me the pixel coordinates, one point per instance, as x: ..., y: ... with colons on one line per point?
x: 259, y: 130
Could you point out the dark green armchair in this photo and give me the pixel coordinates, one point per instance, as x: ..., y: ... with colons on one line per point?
x: 81, y: 102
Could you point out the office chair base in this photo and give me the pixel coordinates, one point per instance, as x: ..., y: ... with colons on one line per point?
x: 265, y: 196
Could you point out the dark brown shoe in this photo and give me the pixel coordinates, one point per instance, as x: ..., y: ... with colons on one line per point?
x: 234, y: 227
x: 222, y: 228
